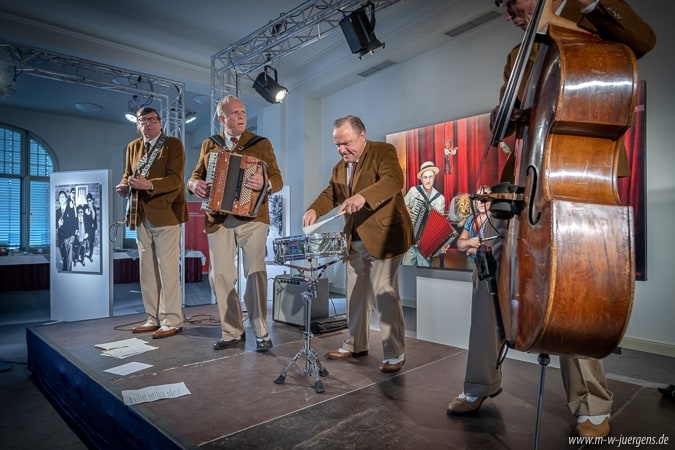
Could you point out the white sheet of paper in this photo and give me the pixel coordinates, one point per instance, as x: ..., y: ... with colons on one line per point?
x: 119, y: 344
x: 125, y: 348
x: 315, y: 226
x: 152, y: 393
x: 126, y: 352
x: 126, y: 369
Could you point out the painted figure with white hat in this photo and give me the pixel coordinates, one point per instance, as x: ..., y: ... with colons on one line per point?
x: 421, y: 196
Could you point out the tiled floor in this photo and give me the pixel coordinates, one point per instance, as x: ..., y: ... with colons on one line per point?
x: 405, y: 411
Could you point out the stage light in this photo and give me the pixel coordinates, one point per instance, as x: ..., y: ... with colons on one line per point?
x: 190, y: 117
x: 132, y: 107
x: 360, y: 31
x: 87, y: 107
x: 268, y: 87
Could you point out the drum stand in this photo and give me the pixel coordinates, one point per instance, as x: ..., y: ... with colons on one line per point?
x: 312, y: 364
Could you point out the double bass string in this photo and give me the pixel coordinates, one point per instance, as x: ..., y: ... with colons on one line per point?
x: 500, y: 125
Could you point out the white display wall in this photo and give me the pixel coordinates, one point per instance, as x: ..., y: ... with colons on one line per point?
x: 81, y: 279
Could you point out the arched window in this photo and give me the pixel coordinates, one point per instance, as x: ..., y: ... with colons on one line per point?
x: 25, y: 165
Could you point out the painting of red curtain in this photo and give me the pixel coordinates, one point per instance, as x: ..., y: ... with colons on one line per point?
x: 460, y: 150
x: 632, y: 188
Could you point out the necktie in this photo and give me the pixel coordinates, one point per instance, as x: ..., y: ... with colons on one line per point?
x: 147, y: 147
x: 351, y: 177
x: 233, y: 141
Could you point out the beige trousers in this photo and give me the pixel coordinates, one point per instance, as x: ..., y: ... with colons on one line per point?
x: 251, y: 237
x: 159, y: 264
x: 583, y: 379
x: 373, y: 283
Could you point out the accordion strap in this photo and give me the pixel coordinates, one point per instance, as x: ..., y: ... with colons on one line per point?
x: 424, y: 196
x: 220, y: 141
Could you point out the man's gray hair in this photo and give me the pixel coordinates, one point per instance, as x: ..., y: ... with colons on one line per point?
x: 224, y: 101
x: 354, y: 121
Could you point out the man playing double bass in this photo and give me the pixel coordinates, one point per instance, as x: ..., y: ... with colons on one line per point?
x: 588, y: 396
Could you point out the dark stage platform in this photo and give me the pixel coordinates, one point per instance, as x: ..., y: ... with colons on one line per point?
x: 234, y: 402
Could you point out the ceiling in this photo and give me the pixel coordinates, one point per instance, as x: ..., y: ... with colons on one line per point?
x: 175, y: 39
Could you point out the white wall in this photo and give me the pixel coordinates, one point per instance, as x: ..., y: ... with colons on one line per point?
x: 654, y: 307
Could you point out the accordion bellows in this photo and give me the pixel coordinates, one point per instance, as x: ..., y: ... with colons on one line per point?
x: 226, y: 174
x: 432, y: 230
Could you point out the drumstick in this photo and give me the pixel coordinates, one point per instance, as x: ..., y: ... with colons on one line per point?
x: 309, y: 229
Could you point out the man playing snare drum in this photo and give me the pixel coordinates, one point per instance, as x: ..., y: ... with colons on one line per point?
x: 226, y: 231
x: 367, y: 185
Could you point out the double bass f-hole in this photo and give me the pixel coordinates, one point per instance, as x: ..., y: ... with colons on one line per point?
x: 533, y: 215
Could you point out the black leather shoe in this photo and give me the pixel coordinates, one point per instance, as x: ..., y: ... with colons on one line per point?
x: 224, y: 343
x: 263, y: 344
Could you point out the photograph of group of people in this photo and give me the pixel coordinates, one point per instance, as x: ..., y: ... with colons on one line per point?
x: 77, y: 228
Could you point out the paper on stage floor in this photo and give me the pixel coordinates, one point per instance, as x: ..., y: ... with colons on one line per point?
x: 125, y: 348
x: 152, y: 393
x: 126, y: 369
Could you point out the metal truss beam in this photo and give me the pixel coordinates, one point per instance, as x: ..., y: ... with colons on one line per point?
x: 169, y: 94
x: 42, y: 63
x: 292, y: 31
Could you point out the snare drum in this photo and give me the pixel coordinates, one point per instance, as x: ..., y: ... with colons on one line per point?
x: 319, y: 245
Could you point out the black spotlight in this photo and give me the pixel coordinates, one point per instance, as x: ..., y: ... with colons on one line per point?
x: 268, y: 87
x: 360, y: 31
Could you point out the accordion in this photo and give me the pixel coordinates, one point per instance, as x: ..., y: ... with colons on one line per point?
x: 225, y: 175
x: 432, y: 229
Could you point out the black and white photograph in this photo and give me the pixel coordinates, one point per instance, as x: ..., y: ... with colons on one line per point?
x: 77, y: 228
x: 279, y: 226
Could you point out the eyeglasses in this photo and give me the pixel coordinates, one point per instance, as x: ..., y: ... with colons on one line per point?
x: 146, y: 120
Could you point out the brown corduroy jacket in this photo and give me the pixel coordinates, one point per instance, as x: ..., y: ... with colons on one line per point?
x: 383, y: 224
x: 166, y: 204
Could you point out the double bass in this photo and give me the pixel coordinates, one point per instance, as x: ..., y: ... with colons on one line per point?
x: 566, y: 279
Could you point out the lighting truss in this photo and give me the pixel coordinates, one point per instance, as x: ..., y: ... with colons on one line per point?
x: 291, y: 31
x: 42, y: 63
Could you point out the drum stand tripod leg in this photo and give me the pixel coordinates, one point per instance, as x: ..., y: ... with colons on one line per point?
x: 543, y: 360
x: 312, y: 364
